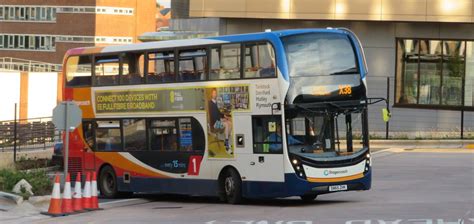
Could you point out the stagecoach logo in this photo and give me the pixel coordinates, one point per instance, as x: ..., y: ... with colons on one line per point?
x: 334, y: 172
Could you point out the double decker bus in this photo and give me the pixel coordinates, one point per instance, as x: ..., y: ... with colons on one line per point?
x: 261, y: 115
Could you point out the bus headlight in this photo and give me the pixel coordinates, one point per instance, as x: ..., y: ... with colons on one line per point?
x: 294, y: 161
x: 368, y: 155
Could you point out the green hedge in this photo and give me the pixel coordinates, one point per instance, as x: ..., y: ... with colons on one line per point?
x: 38, y: 179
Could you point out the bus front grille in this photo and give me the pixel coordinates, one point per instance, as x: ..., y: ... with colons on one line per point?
x: 74, y: 166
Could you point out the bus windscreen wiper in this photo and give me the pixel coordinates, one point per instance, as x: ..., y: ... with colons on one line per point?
x: 352, y: 70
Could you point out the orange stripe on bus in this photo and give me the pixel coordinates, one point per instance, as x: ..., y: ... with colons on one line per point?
x: 336, y: 179
x: 121, y: 162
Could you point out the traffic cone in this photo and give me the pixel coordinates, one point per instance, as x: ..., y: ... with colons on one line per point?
x: 94, y: 195
x: 67, y: 198
x: 77, y: 197
x: 55, y: 202
x: 86, y: 197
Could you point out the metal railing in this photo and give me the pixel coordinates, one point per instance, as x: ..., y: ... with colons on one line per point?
x: 28, y: 134
x: 16, y: 64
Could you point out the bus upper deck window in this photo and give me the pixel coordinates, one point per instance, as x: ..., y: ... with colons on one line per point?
x: 106, y: 70
x: 78, y: 71
x: 192, y: 65
x: 161, y: 67
x: 259, y: 61
x: 225, y: 62
x: 132, y: 68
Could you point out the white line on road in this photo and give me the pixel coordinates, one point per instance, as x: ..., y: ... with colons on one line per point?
x: 381, y: 151
x: 118, y: 201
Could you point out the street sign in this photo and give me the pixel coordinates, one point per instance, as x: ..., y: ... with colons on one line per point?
x: 69, y: 113
x: 66, y: 117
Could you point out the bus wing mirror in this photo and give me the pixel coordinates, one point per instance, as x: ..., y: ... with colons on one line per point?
x: 386, y: 115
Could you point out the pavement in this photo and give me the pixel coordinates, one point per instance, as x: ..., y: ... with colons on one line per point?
x: 410, y: 185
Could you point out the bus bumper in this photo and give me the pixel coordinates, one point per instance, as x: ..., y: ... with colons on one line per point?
x: 295, y: 186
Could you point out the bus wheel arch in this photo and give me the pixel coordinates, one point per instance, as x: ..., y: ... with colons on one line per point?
x: 230, y: 185
x: 107, y: 181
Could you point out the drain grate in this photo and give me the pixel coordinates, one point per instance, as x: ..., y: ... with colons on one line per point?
x: 168, y: 207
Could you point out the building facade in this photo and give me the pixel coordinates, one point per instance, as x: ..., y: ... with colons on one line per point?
x: 44, y: 30
x: 35, y: 35
x: 420, y: 53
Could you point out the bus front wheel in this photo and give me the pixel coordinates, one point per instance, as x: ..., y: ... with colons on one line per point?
x: 232, y: 186
x: 108, y: 182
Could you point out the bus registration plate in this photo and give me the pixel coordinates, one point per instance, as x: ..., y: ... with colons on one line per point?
x: 338, y: 188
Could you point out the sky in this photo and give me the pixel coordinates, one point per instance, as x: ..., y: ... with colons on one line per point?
x: 166, y: 3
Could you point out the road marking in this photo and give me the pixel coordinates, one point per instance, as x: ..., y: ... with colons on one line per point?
x: 118, y: 201
x: 382, y: 151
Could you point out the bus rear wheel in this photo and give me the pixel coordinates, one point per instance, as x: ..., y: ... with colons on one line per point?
x: 232, y: 186
x: 308, y: 197
x: 108, y: 183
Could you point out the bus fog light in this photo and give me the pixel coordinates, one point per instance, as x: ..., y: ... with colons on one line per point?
x: 366, y: 168
x: 368, y: 161
x: 298, y: 168
x: 301, y: 174
x: 295, y: 161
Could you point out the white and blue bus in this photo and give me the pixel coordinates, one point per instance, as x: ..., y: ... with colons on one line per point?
x: 261, y: 115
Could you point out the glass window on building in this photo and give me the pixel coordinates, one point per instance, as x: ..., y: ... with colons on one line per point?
x: 469, y: 79
x: 431, y: 73
x: 407, y: 84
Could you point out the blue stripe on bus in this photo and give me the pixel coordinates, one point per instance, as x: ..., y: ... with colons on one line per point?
x: 293, y: 186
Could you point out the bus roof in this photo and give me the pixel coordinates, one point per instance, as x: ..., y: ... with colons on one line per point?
x: 197, y: 42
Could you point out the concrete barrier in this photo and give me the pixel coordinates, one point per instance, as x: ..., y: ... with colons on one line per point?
x: 6, y: 158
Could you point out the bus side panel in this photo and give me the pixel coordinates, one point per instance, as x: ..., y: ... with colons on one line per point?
x: 170, y: 186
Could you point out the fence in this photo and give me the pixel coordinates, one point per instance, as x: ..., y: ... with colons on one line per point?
x: 15, y: 64
x: 27, y: 134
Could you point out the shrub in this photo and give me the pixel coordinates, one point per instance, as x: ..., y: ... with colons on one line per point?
x: 39, y: 180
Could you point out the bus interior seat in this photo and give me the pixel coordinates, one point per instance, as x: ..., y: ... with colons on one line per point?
x: 267, y: 72
x: 168, y: 76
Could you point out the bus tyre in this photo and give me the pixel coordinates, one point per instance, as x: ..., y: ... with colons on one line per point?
x: 232, y: 185
x: 108, y: 183
x: 308, y: 197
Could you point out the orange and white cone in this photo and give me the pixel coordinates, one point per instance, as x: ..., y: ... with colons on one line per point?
x: 55, y: 202
x: 94, y: 194
x: 77, y: 197
x: 86, y: 197
x: 67, y: 198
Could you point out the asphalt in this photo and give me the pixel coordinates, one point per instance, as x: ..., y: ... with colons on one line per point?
x: 412, y: 186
